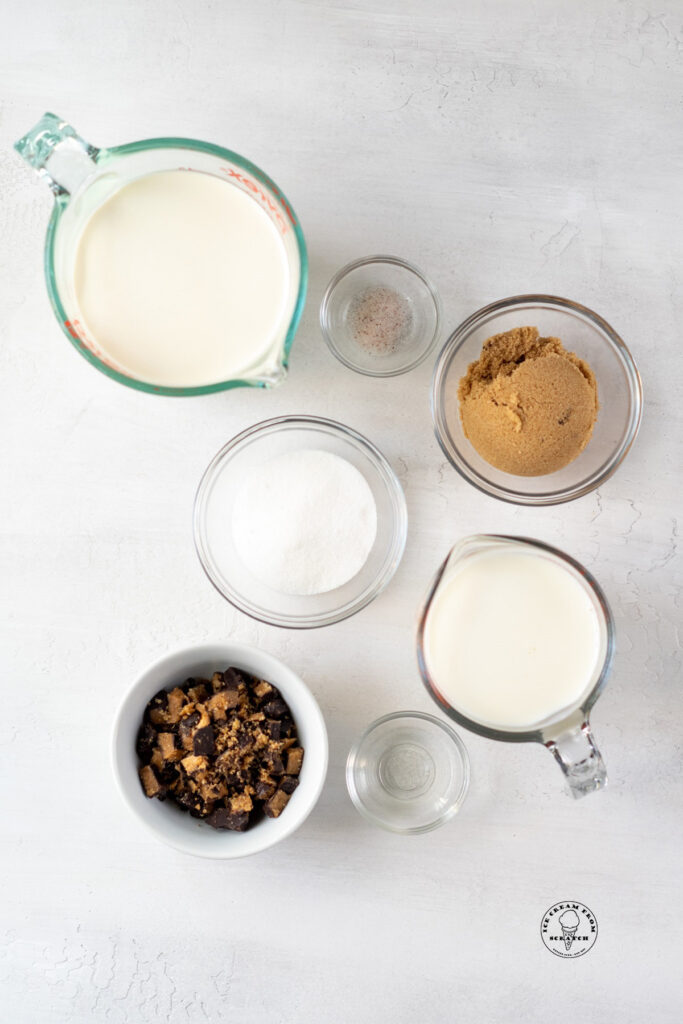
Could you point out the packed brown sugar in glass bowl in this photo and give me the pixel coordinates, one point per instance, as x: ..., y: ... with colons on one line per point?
x: 528, y: 405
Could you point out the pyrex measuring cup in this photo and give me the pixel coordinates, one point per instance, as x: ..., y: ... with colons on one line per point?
x: 568, y: 733
x: 83, y: 177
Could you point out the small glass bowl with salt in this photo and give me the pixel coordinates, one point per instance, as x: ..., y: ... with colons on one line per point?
x: 300, y: 521
x: 380, y: 316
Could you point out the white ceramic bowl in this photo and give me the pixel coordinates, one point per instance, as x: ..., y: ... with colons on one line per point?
x: 166, y: 820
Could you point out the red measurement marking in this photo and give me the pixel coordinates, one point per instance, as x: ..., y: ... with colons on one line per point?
x: 258, y: 192
x: 76, y: 331
x: 287, y: 209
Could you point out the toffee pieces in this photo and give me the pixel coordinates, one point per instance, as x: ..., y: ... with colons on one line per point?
x: 224, y: 749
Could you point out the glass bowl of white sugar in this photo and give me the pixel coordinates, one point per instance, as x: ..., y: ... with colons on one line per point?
x: 300, y: 521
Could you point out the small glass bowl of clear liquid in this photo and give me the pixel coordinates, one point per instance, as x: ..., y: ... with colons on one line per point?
x: 408, y: 773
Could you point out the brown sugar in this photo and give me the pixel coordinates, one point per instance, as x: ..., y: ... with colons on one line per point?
x: 527, y: 405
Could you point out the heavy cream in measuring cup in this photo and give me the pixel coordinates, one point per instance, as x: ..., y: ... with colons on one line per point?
x: 511, y: 639
x: 181, y: 279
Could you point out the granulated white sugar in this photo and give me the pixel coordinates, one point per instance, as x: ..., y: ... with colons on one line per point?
x: 305, y: 522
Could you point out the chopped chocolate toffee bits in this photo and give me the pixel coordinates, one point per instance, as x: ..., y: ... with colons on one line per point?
x: 224, y: 749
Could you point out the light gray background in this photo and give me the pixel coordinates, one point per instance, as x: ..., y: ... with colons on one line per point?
x: 504, y: 147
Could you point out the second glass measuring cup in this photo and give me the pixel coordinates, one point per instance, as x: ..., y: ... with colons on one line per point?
x: 515, y: 642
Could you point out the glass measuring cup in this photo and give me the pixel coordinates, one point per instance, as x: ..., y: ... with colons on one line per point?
x: 567, y: 734
x: 83, y: 177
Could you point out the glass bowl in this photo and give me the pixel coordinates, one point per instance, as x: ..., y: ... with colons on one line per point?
x: 409, y: 773
x: 352, y: 305
x: 582, y: 331
x: 213, y: 515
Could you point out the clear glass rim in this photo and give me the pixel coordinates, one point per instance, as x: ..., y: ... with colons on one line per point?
x: 548, y: 728
x: 338, y: 278
x: 400, y: 523
x: 452, y: 809
x: 509, y: 494
x: 171, y: 142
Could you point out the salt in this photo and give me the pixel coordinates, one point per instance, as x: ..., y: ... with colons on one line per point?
x: 305, y: 522
x: 380, y: 320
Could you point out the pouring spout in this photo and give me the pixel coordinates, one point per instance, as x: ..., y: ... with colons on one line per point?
x: 55, y: 150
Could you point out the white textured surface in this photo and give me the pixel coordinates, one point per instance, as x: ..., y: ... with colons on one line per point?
x: 503, y: 147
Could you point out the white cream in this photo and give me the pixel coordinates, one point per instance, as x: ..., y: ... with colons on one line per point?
x: 181, y: 279
x: 512, y: 639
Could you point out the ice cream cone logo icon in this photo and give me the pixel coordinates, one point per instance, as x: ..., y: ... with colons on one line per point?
x: 569, y: 929
x: 569, y: 922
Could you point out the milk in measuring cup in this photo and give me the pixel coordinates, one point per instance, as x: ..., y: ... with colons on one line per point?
x: 511, y: 639
x: 181, y: 279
